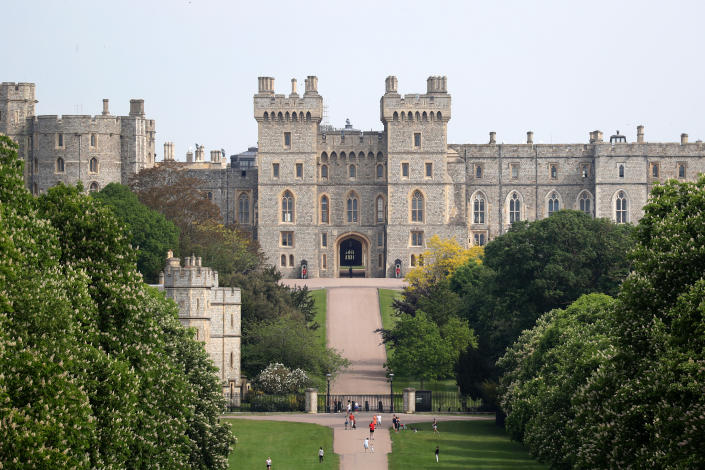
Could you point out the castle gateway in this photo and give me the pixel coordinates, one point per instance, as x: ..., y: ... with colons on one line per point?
x: 341, y: 198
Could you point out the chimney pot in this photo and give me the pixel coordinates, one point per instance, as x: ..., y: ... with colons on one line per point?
x: 639, y: 134
x: 493, y: 137
x: 684, y: 139
x: 530, y: 137
x: 106, y: 103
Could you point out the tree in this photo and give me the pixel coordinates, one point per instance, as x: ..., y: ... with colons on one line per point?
x: 149, y: 232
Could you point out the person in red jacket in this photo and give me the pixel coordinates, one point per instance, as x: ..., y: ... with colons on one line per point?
x: 372, y: 429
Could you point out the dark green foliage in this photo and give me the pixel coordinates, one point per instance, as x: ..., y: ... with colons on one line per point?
x: 148, y: 231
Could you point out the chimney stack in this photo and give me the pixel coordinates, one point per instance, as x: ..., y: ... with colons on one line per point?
x: 266, y: 85
x: 199, y: 153
x: 215, y: 156
x: 530, y: 137
x: 390, y: 84
x: 311, y: 85
x: 684, y: 139
x: 294, y: 93
x: 493, y: 137
x: 106, y: 102
x: 136, y: 107
x: 639, y: 134
x: 189, y: 156
x: 595, y: 137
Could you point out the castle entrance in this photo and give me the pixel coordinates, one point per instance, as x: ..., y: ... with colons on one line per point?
x: 353, y: 256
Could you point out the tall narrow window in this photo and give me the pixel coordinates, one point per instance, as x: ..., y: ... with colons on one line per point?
x: 275, y: 170
x: 553, y: 204
x: 287, y: 140
x: 380, y: 239
x: 681, y: 170
x: 654, y: 170
x: 380, y: 171
x: 417, y: 139
x: 287, y: 239
x: 59, y: 165
x: 479, y: 238
x: 416, y: 238
x: 287, y: 207
x: 92, y: 140
x: 299, y: 170
x: 478, y: 171
x: 324, y: 172
x: 621, y: 208
x: 554, y: 172
x: 60, y: 140
x: 352, y: 209
x: 352, y: 171
x: 324, y: 240
x: 93, y: 165
x: 515, y: 170
x: 283, y: 260
x: 243, y: 205
x: 291, y: 260
x: 514, y: 208
x: 404, y: 170
x: 324, y: 261
x: 325, y: 215
x: 478, y: 209
x: 585, y: 203
x: 380, y: 209
x: 585, y: 170
x: 429, y: 170
x: 417, y: 208
x: 621, y: 171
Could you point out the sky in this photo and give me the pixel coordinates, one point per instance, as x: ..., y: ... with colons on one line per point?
x: 558, y: 68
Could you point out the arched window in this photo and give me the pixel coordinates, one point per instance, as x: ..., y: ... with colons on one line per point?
x: 417, y: 207
x: 478, y: 209
x: 417, y: 116
x: 380, y: 209
x: 352, y: 208
x: 59, y: 165
x: 324, y: 172
x: 93, y: 165
x: 283, y: 260
x: 410, y: 116
x: 291, y: 260
x: 209, y: 196
x: 243, y: 206
x: 395, y: 116
x: 621, y: 171
x: 681, y: 170
x: 514, y: 208
x: 280, y: 116
x: 286, y: 115
x: 478, y: 171
x: 325, y: 214
x: 439, y: 116
x: 424, y: 116
x: 294, y: 117
x: 380, y: 171
x: 266, y: 116
x: 553, y: 204
x: 621, y: 208
x: 308, y: 116
x: 287, y: 207
x: 585, y: 202
x: 413, y: 260
x: 94, y: 187
x: 353, y: 170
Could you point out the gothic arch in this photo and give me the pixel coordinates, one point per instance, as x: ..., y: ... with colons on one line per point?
x: 553, y: 202
x: 287, y: 206
x: 365, y: 242
x: 585, y: 202
x: 481, y: 209
x: 514, y: 209
x: 324, y: 209
x: 621, y: 204
x: 395, y: 116
x: 417, y: 206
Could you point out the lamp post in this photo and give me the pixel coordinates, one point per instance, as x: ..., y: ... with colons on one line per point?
x: 391, y: 392
x: 328, y: 394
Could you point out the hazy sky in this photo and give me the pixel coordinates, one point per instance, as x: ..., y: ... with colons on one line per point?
x: 559, y: 68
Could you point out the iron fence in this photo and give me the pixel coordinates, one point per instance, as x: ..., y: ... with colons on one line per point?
x: 366, y: 403
x: 260, y: 402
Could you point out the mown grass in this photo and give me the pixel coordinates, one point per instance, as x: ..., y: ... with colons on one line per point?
x: 386, y: 297
x: 462, y: 444
x: 319, y: 297
x: 289, y: 445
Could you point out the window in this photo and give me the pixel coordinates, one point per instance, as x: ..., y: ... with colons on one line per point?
x: 283, y: 260
x: 478, y: 209
x: 621, y: 208
x: 654, y: 170
x: 287, y: 140
x: 585, y: 203
x: 324, y: 240
x: 681, y: 170
x: 352, y: 209
x: 621, y: 170
x: 291, y: 260
x: 92, y: 140
x: 585, y: 170
x: 479, y: 238
x: 553, y: 204
x: 325, y: 214
x: 209, y: 196
x: 93, y: 165
x: 514, y: 208
x: 324, y: 261
x: 417, y: 207
x: 380, y: 239
x: 243, y: 206
x: 380, y: 261
x: 231, y: 359
x: 275, y: 170
x: 417, y: 139
x: 429, y: 170
x: 515, y: 170
x: 287, y: 207
x: 380, y: 171
x: 94, y: 187
x: 60, y: 140
x: 413, y: 260
x: 324, y: 172
x: 404, y: 170
x: 554, y: 171
x: 478, y: 171
x: 287, y: 239
x: 299, y: 170
x: 380, y: 209
x: 416, y: 238
x: 59, y: 165
x: 352, y: 171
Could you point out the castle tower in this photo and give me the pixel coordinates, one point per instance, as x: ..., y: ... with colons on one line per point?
x: 421, y: 199
x: 138, y: 141
x: 287, y: 131
x: 214, y: 312
x: 17, y: 102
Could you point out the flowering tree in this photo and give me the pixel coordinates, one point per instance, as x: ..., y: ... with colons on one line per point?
x: 276, y: 378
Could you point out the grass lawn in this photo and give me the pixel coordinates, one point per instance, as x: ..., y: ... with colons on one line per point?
x: 386, y: 297
x: 462, y: 444
x: 319, y: 297
x: 289, y: 445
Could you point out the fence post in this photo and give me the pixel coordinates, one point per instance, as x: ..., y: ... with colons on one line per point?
x: 409, y: 400
x: 311, y: 400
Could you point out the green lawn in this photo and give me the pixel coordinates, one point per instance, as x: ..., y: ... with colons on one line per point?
x: 319, y: 297
x: 289, y: 445
x: 386, y: 297
x: 462, y: 444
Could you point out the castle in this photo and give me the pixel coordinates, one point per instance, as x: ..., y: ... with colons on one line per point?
x: 325, y: 202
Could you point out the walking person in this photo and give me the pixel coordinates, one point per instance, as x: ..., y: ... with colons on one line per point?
x: 346, y: 422
x: 366, y: 444
x: 269, y: 463
x: 372, y: 429
x: 320, y: 455
x: 435, y: 426
x: 437, y: 454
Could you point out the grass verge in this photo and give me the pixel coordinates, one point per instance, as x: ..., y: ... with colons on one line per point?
x: 462, y: 444
x: 386, y: 297
x: 319, y: 297
x: 289, y: 445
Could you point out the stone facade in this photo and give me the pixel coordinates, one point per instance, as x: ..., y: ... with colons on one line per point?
x: 331, y: 197
x: 95, y: 150
x: 214, y: 312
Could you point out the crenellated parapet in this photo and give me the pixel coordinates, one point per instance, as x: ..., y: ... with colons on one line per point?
x: 432, y: 107
x: 279, y: 108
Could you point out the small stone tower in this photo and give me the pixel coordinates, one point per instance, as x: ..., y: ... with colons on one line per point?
x: 213, y: 311
x: 16, y: 110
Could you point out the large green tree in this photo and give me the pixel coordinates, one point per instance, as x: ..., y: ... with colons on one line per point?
x: 148, y: 230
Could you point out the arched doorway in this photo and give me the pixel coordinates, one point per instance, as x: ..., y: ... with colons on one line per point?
x: 352, y: 252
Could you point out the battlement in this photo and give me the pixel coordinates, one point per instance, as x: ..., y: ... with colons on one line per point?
x: 433, y: 106
x: 17, y: 91
x: 271, y: 107
x: 190, y: 275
